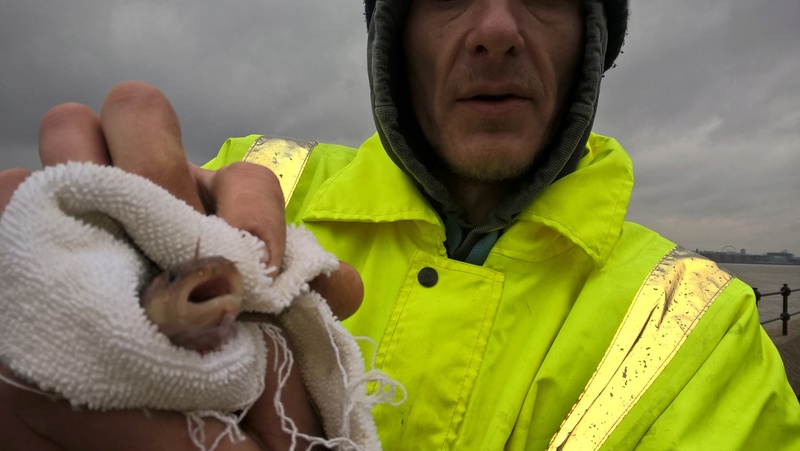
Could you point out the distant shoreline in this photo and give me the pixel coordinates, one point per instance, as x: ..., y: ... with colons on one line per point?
x: 770, y: 258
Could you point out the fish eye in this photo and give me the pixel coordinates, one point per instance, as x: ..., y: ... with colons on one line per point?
x: 171, y: 276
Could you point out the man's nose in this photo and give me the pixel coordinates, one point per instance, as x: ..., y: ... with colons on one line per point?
x: 496, y: 31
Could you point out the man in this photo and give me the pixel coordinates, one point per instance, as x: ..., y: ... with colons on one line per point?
x: 502, y: 285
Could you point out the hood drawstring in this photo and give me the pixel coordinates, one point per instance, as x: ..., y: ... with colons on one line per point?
x: 473, y: 248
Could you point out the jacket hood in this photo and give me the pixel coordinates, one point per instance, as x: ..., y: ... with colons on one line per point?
x: 616, y: 12
x: 402, y: 137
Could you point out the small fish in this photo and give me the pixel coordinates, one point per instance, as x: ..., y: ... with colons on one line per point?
x: 196, y: 304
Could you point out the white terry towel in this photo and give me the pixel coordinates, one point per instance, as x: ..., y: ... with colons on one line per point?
x: 71, y: 269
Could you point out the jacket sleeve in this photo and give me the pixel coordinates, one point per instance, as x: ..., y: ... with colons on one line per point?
x: 726, y: 390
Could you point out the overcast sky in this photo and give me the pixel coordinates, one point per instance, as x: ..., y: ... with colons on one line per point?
x: 706, y: 97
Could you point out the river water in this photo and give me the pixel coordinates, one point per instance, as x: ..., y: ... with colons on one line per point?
x: 770, y: 279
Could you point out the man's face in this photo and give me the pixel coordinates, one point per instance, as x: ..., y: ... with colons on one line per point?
x: 488, y: 78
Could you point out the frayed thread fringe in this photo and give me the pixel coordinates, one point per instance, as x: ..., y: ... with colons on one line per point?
x: 20, y: 386
x: 283, y: 371
x: 197, y: 433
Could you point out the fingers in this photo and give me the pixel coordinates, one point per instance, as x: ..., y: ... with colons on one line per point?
x: 71, y: 132
x: 248, y: 197
x: 15, y: 434
x: 32, y: 421
x: 264, y: 420
x: 255, y: 187
x: 137, y: 131
x: 9, y: 181
x: 143, y: 136
x: 343, y: 290
x: 121, y: 430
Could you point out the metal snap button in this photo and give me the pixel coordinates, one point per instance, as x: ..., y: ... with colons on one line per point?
x: 428, y: 277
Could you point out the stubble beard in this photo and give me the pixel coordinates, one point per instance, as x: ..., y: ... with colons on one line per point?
x: 485, y: 165
x: 495, y: 161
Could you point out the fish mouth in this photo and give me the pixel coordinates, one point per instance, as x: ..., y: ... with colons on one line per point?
x: 206, y: 326
x: 206, y: 302
x: 196, y: 307
x: 209, y: 289
x: 197, y: 300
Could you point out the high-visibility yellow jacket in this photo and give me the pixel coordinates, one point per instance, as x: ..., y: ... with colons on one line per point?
x: 497, y: 356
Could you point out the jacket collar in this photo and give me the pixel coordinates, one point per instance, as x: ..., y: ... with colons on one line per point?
x: 385, y: 193
x: 587, y: 207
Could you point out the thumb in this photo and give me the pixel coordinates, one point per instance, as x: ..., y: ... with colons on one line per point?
x: 343, y: 290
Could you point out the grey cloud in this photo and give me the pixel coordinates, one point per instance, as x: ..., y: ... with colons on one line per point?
x: 706, y: 100
x: 289, y: 67
x: 706, y: 96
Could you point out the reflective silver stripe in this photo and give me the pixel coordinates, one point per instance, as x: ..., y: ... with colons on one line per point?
x: 663, y: 313
x: 286, y: 157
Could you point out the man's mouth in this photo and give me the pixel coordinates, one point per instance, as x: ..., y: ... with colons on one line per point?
x: 494, y: 105
x: 494, y: 97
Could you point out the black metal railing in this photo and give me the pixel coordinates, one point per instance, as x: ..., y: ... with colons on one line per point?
x: 785, y: 315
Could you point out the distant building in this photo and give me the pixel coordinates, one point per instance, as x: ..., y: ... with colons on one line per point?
x: 770, y: 258
x: 780, y: 257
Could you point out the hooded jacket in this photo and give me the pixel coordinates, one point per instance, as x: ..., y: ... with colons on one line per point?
x: 577, y: 330
x: 507, y: 355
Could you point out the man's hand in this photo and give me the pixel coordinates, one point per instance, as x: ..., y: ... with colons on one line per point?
x: 138, y: 131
